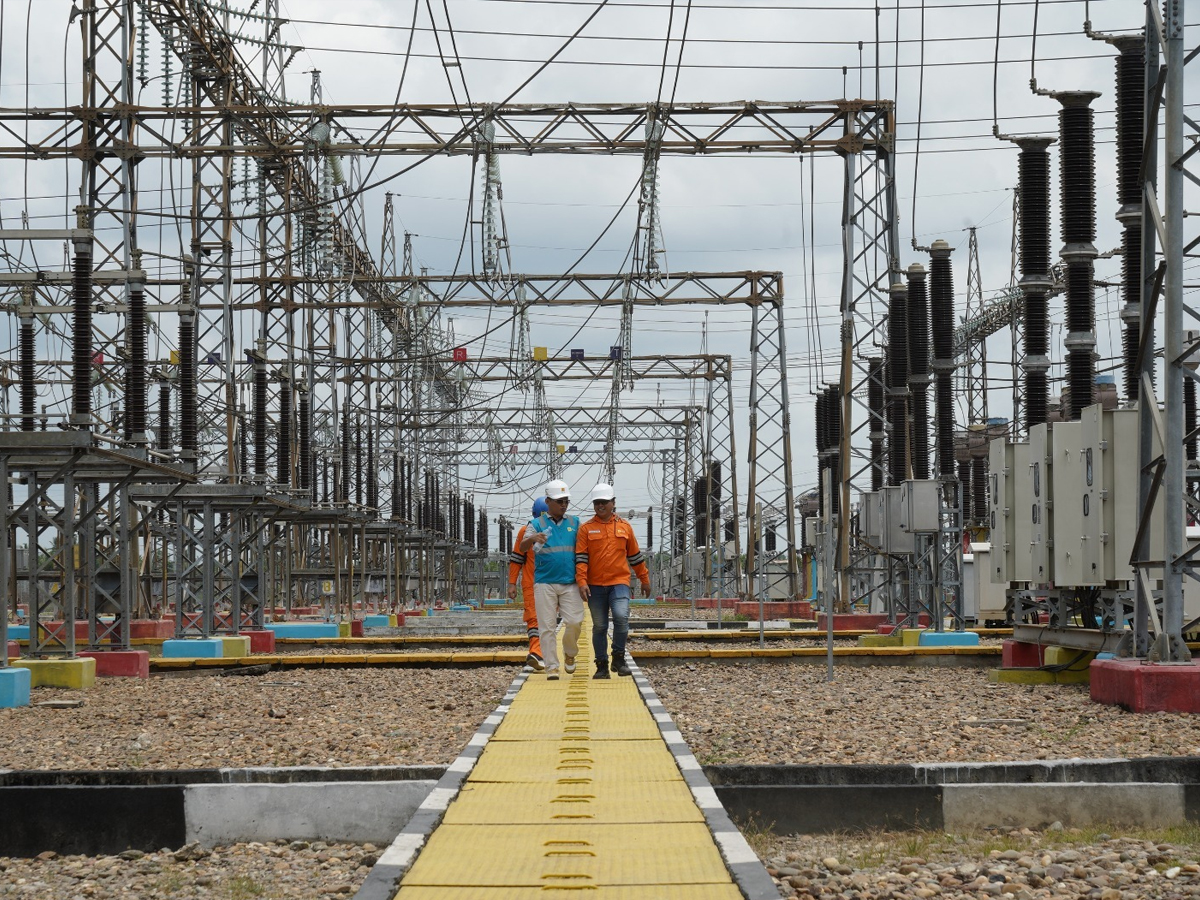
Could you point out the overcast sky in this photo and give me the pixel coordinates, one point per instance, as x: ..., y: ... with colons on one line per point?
x: 717, y: 214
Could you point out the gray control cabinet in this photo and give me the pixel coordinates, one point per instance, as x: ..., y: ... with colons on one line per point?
x: 1070, y: 505
x: 898, y: 538
x: 1040, y: 535
x: 1021, y: 532
x: 920, y: 507
x: 1001, y: 508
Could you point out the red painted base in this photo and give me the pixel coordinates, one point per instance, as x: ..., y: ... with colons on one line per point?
x: 775, y: 609
x: 1146, y: 687
x: 260, y: 641
x: 14, y: 649
x: 1022, y: 655
x: 853, y: 621
x: 399, y: 620
x: 158, y: 629
x: 887, y: 628
x: 120, y: 663
x: 356, y: 628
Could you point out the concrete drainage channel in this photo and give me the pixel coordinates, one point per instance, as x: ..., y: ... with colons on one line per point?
x: 106, y: 812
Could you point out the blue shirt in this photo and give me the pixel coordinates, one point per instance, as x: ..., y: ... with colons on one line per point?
x: 555, y: 562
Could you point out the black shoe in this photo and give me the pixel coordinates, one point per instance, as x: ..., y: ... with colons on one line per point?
x: 601, y: 673
x: 622, y: 668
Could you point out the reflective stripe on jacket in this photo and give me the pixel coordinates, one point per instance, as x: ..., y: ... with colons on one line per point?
x: 521, y: 564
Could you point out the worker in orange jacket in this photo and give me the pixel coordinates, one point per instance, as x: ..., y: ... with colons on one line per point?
x: 520, y: 567
x: 605, y: 551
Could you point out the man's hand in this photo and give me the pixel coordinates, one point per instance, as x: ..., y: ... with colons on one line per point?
x: 512, y: 592
x: 585, y: 592
x: 646, y: 589
x: 540, y: 537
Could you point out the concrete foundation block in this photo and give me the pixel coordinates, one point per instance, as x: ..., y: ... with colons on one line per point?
x: 343, y: 629
x: 1020, y: 676
x: 76, y: 673
x: 879, y: 640
x: 1140, y: 686
x: 853, y: 621
x: 14, y: 687
x: 1068, y: 656
x: 356, y: 628
x: 235, y: 647
x: 911, y: 637
x: 193, y: 648
x: 260, y: 641
x: 1022, y: 655
x: 967, y: 807
x: 304, y: 630
x: 154, y: 629
x: 13, y: 650
x: 377, y: 621
x: 948, y: 639
x: 358, y: 812
x: 18, y: 632
x: 120, y: 663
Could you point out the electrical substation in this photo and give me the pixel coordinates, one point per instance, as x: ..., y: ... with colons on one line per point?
x: 266, y: 408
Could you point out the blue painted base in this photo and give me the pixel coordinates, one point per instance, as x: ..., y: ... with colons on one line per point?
x: 180, y: 648
x: 376, y: 621
x: 460, y: 607
x: 14, y: 687
x: 307, y: 630
x: 18, y: 632
x: 496, y: 601
x: 949, y: 639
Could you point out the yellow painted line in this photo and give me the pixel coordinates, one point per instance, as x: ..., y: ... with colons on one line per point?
x: 575, y: 795
x: 472, y: 657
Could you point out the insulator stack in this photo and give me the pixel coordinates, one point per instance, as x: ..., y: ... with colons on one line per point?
x: 394, y: 501
x: 1033, y: 191
x: 27, y: 349
x: 303, y: 437
x: 358, y: 463
x: 876, y: 411
x: 135, y: 369
x: 165, y: 438
x: 1078, y: 184
x: 260, y: 416
x: 283, y: 454
x: 650, y: 531
x: 964, y: 478
x: 822, y: 449
x: 941, y: 309
x: 979, y: 490
x: 372, y: 475
x: 402, y: 511
x: 730, y: 530
x: 834, y: 425
x: 324, y: 465
x: 347, y: 450
x: 897, y: 383
x: 918, y: 368
x: 81, y: 355
x: 1189, y: 417
x: 699, y: 509
x: 243, y: 449
x: 188, y: 431
x: 1131, y: 130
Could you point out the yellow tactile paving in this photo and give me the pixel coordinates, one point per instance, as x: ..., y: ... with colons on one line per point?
x: 569, y: 799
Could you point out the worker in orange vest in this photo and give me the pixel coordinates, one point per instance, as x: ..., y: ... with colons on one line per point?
x: 520, y: 567
x: 606, y: 549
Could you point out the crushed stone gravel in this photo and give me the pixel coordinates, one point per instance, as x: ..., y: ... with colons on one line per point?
x: 755, y: 714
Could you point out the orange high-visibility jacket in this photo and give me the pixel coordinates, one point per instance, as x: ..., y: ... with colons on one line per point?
x: 521, y: 564
x: 606, y: 551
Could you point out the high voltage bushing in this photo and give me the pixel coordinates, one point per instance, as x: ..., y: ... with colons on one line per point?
x: 822, y: 432
x: 394, y: 500
x: 243, y: 453
x: 875, y: 407
x: 963, y: 458
x: 346, y: 473
x: 1033, y: 190
x: 283, y: 455
x: 1078, y: 185
x: 941, y: 308
x: 135, y: 371
x: 26, y: 347
x: 358, y: 462
x: 1189, y: 417
x: 372, y: 475
x: 303, y: 436
x: 1131, y: 130
x: 918, y: 368
x: 897, y: 383
x: 834, y: 425
x: 164, y: 417
x: 188, y: 431
x: 259, y: 357
x: 979, y: 497
x: 649, y: 531
x: 81, y: 292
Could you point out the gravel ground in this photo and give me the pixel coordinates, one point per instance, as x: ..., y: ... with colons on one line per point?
x: 773, y: 639
x: 277, y: 871
x: 1017, y: 865
x: 788, y: 713
x: 431, y: 647
x: 303, y: 717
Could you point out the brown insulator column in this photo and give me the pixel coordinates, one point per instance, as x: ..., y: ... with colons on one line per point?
x: 135, y: 367
x: 941, y: 308
x: 27, y: 351
x: 1033, y: 190
x: 1131, y: 130
x: 81, y: 326
x: 897, y: 383
x: 918, y: 369
x: 876, y: 410
x: 1078, y: 186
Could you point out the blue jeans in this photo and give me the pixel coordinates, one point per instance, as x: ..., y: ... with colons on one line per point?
x: 606, y: 598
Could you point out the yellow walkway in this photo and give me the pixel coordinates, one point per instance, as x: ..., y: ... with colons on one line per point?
x: 576, y: 795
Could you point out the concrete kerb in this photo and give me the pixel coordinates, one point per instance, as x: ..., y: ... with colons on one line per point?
x: 383, y: 880
x: 743, y: 863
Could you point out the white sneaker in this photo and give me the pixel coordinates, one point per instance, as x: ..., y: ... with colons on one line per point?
x: 569, y: 665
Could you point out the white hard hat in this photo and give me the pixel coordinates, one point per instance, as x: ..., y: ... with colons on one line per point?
x: 556, y: 490
x: 603, y: 492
